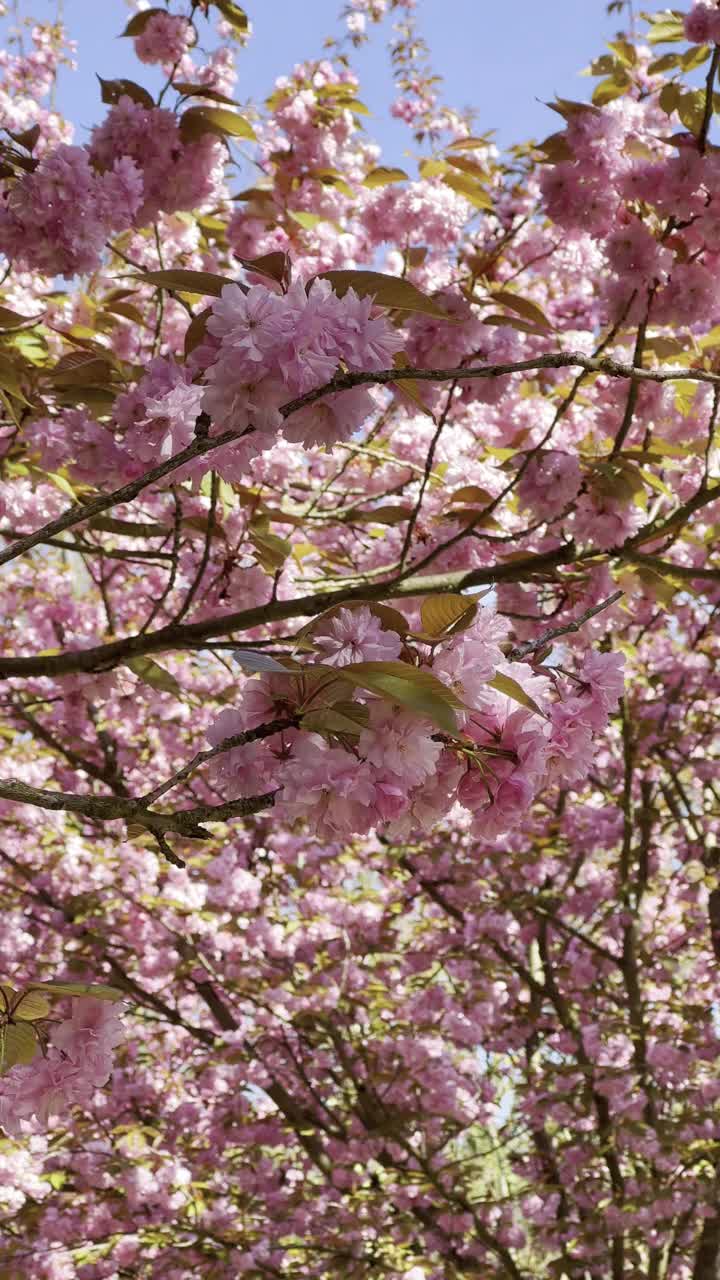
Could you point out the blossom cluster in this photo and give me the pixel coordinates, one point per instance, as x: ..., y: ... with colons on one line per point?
x: 77, y: 1062
x: 57, y: 219
x: 399, y: 770
x: 267, y: 349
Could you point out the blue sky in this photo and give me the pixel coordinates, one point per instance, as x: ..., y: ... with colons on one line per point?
x: 503, y: 58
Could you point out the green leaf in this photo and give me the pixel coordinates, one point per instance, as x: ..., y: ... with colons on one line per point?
x: 342, y: 717
x: 446, y: 615
x: 390, y: 514
x: 18, y: 1045
x: 414, y: 688
x: 271, y: 551
x: 128, y: 528
x: 82, y: 368
x: 203, y: 282
x: 98, y: 990
x: 127, y: 310
x: 197, y: 121
x: 390, y: 619
x: 471, y: 493
x: 274, y: 266
x: 383, y: 176
x: 153, y: 674
x: 111, y: 91
x: 13, y: 320
x: 10, y: 379
x: 511, y: 689
x: 388, y: 291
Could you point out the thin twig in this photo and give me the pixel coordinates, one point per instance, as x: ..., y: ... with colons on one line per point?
x: 530, y: 646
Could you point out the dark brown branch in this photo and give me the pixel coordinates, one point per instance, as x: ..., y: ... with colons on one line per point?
x: 85, y: 511
x: 709, y: 95
x: 104, y: 657
x: 531, y: 646
x: 111, y: 808
x: 344, y: 382
x: 237, y: 740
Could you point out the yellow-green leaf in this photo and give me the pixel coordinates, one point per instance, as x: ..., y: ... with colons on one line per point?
x: 218, y: 120
x: 153, y: 674
x: 203, y: 282
x: 414, y: 688
x: 233, y: 14
x: 98, y: 990
x: 445, y: 615
x: 30, y: 1006
x: 685, y: 393
x: 62, y: 483
x: 512, y: 689
x: 383, y: 176
x: 469, y: 188
x: 18, y: 1045
x: 613, y: 87
x: 304, y: 219
x: 691, y: 109
x: 388, y: 291
x: 625, y: 51
x: 666, y: 28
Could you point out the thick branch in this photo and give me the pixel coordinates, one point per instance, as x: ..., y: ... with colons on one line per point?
x: 103, y: 657
x: 110, y: 808
x: 343, y: 382
x: 85, y: 511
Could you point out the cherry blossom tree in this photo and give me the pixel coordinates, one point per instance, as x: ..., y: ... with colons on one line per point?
x: 358, y: 659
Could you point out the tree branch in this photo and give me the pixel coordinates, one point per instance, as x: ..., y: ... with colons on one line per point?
x: 173, y: 637
x: 110, y: 808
